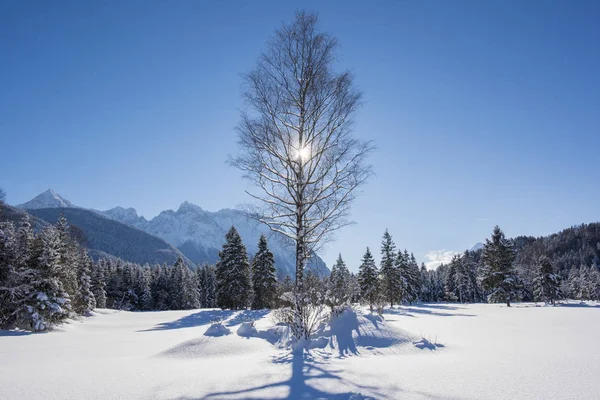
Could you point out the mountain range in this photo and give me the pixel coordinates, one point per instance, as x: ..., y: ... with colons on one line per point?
x: 190, y: 231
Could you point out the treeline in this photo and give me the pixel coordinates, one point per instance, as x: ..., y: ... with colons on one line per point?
x: 47, y: 276
x: 564, y: 264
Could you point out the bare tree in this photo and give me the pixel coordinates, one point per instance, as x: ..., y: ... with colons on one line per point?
x: 295, y: 141
x: 2, y: 195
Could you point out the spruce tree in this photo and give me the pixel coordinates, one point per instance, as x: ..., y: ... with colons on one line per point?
x: 498, y: 274
x: 84, y: 300
x: 98, y: 283
x: 234, y: 286
x: 207, y: 286
x: 263, y: 276
x: 338, y: 291
x: 48, y: 302
x: 546, y: 282
x: 368, y: 279
x: 413, y: 279
x: 391, y: 279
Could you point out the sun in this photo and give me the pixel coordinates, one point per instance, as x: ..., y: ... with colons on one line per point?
x: 303, y: 154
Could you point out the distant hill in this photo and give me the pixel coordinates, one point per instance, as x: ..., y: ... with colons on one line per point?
x: 106, y: 237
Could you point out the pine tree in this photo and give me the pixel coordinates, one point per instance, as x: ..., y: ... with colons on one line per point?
x: 414, y: 279
x: 426, y: 290
x: 98, y: 283
x: 207, y: 286
x: 392, y: 284
x: 234, y: 286
x: 338, y: 291
x: 48, y: 302
x: 84, y: 300
x: 263, y: 276
x: 67, y: 268
x: 14, y: 281
x: 546, y: 282
x: 368, y: 279
x: 498, y: 275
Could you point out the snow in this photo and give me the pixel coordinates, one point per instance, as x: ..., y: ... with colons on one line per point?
x: 47, y: 199
x: 481, y: 351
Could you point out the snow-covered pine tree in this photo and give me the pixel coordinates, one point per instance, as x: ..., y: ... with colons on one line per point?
x: 13, y: 284
x: 368, y: 278
x: 450, y: 280
x: 546, y: 283
x: 401, y: 264
x: 498, y: 274
x: 160, y: 288
x: 184, y: 287
x: 426, y: 290
x: 98, y: 283
x: 207, y: 286
x: 234, y: 286
x: 48, y: 302
x: 84, y: 300
x: 143, y: 291
x: 354, y: 288
x: 67, y: 268
x: 413, y: 279
x: 264, y: 277
x: 392, y: 284
x: 338, y: 285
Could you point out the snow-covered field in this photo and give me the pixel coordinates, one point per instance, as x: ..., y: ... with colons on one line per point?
x: 485, y: 352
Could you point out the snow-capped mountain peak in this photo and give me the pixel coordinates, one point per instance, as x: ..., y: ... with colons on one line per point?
x: 47, y: 199
x: 187, y: 207
x: 477, y: 246
x: 125, y: 215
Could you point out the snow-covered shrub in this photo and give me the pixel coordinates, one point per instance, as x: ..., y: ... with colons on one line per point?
x: 217, y: 329
x: 247, y: 329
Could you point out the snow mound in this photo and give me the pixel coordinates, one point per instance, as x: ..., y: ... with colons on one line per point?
x: 247, y: 330
x: 217, y: 329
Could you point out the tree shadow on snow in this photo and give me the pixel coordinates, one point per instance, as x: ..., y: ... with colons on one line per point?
x: 305, y: 369
x: 16, y: 333
x: 578, y: 305
x: 247, y: 315
x: 200, y: 318
x: 409, y: 311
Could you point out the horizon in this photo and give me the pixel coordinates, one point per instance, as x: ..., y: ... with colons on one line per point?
x: 483, y: 114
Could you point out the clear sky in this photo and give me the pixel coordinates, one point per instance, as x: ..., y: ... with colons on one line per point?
x: 484, y: 112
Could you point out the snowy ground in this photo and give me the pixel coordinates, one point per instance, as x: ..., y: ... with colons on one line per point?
x: 485, y: 352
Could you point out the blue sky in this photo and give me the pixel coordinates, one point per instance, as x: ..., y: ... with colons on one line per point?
x: 484, y: 113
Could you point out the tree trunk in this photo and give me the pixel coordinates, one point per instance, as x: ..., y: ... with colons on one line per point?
x: 507, y: 303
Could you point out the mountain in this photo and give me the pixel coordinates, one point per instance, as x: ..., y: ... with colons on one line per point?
x: 196, y: 233
x: 16, y: 215
x: 48, y: 199
x: 477, y: 246
x: 199, y: 234
x: 105, y: 237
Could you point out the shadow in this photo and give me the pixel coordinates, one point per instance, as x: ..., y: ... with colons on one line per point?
x: 247, y: 315
x: 341, y: 329
x: 426, y: 344
x: 437, y: 306
x: 16, y: 333
x: 305, y: 369
x: 408, y: 311
x: 200, y: 318
x: 578, y: 305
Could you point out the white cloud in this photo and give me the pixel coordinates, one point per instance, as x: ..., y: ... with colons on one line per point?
x: 435, y: 258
